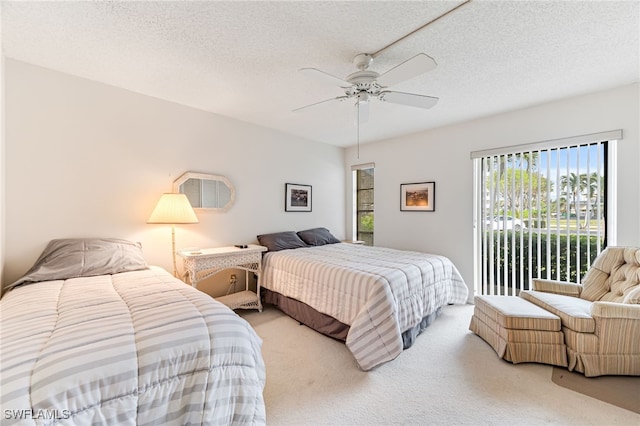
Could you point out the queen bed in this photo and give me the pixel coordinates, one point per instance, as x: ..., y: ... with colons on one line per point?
x: 375, y: 299
x: 92, y: 335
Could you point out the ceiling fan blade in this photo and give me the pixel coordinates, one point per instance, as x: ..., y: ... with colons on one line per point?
x: 316, y: 73
x: 409, y: 99
x: 410, y: 68
x: 339, y: 98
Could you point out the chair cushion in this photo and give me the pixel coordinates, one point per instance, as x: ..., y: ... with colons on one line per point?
x: 614, y: 274
x: 633, y: 297
x: 513, y: 312
x: 626, y: 278
x: 574, y: 312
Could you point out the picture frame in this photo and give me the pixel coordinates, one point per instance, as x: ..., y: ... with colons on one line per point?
x: 418, y: 197
x: 297, y: 197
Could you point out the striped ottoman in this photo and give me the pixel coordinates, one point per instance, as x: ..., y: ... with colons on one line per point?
x: 519, y: 331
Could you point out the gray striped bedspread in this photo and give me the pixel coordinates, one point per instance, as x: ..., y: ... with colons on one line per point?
x: 134, y: 348
x: 379, y: 292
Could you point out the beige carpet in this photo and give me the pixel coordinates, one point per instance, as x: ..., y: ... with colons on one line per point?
x: 449, y: 377
x: 622, y: 391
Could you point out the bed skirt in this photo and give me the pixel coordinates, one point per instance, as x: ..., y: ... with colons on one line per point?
x: 306, y: 315
x: 329, y: 326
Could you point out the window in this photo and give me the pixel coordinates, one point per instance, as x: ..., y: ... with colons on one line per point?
x: 363, y: 202
x: 541, y: 211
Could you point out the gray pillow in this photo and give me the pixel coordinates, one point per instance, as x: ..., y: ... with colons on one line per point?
x: 317, y: 237
x: 281, y: 241
x: 84, y: 257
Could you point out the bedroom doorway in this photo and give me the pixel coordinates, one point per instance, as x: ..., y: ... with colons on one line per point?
x: 543, y: 210
x: 363, y: 212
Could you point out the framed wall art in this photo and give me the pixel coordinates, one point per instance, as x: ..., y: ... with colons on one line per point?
x: 418, y: 197
x: 297, y: 198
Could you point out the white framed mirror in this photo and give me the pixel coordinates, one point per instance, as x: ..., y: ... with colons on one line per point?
x: 206, y: 191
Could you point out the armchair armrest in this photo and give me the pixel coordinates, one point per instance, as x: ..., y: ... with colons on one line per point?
x: 615, y: 310
x: 557, y: 287
x: 617, y: 328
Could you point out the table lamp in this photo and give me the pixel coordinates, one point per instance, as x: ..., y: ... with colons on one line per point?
x: 173, y: 209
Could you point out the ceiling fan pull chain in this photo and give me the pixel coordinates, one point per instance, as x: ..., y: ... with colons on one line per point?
x: 358, y: 127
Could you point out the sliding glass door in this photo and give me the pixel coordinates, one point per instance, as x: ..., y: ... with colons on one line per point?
x: 541, y: 211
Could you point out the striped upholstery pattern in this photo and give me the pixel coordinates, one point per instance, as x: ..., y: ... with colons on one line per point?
x: 574, y: 312
x: 556, y: 287
x: 378, y: 292
x: 602, y: 326
x: 135, y: 348
x: 519, y: 331
x: 515, y: 313
x: 614, y: 274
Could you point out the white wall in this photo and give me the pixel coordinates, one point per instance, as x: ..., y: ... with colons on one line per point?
x: 84, y: 159
x: 2, y: 175
x: 443, y: 155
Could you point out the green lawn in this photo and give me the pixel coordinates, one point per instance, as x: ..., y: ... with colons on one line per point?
x: 573, y: 224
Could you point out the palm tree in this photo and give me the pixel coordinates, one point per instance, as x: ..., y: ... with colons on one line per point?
x: 531, y: 159
x: 507, y: 169
x: 498, y: 169
x: 595, y: 194
x: 562, y: 203
x: 572, y: 187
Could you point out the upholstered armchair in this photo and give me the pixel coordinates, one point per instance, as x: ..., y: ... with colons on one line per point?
x: 601, y: 316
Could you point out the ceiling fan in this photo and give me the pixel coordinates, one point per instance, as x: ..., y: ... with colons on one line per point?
x: 365, y: 84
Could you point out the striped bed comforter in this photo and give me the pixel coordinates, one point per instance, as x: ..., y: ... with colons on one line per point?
x: 378, y: 292
x: 134, y: 348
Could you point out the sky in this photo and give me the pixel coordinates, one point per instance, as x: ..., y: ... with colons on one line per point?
x: 582, y: 159
x: 553, y: 163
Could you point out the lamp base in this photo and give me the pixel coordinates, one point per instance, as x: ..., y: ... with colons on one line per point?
x: 173, y: 250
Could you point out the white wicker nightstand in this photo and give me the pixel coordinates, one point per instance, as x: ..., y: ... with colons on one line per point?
x: 205, y: 263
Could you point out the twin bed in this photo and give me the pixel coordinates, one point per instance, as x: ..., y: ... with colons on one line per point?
x: 93, y: 335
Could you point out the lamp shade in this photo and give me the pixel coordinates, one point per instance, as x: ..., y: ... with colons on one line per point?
x: 172, y: 209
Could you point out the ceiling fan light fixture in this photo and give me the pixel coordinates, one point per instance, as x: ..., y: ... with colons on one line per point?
x: 363, y: 97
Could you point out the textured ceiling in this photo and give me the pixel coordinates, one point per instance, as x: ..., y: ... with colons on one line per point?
x: 241, y: 59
